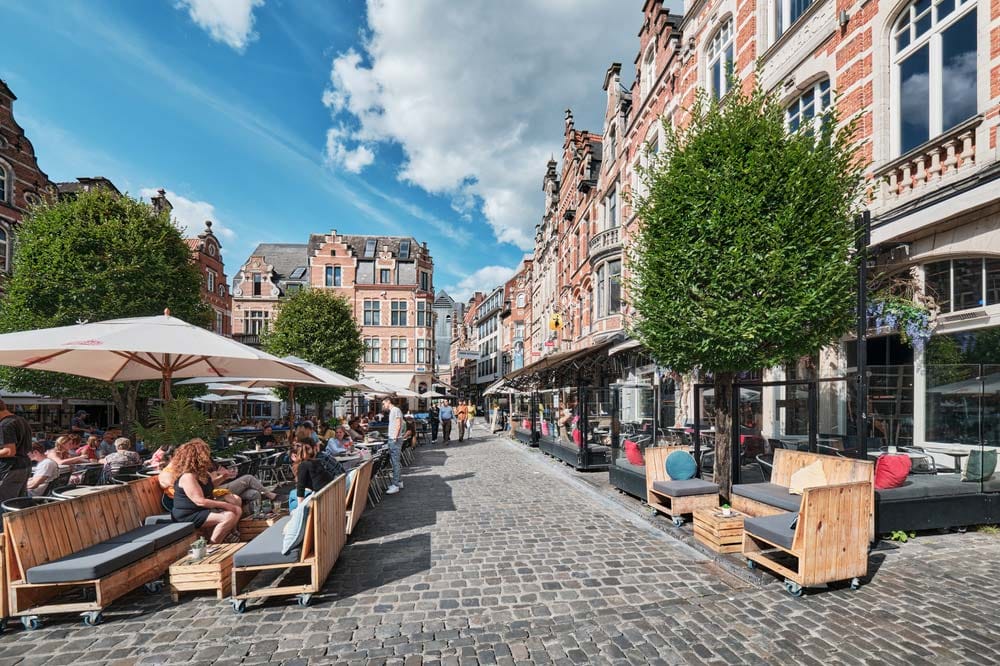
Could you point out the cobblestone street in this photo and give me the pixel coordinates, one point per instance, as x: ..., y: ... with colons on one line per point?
x: 492, y: 554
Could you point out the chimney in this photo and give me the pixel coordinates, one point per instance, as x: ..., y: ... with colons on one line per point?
x: 160, y: 202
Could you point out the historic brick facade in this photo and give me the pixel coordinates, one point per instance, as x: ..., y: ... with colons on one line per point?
x: 206, y: 251
x: 22, y: 182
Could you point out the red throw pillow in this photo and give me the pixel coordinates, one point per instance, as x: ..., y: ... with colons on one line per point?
x: 633, y: 454
x: 578, y: 438
x: 891, y: 471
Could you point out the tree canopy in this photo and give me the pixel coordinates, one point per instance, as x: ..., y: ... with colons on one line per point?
x: 94, y: 257
x: 744, y: 254
x: 318, y: 326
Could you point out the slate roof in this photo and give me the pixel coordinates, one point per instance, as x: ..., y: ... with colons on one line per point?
x: 285, y: 257
x: 357, y: 244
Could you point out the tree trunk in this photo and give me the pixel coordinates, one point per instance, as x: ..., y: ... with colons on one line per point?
x: 723, y: 426
x: 121, y: 406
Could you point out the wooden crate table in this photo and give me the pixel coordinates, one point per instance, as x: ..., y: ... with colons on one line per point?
x: 251, y: 527
x: 214, y: 572
x: 720, y: 533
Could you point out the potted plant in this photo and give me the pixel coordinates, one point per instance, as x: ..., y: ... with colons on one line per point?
x: 199, y: 549
x: 727, y: 511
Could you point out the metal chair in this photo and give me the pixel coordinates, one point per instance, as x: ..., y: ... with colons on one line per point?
x: 122, y: 479
x: 113, y: 472
x: 21, y: 503
x: 269, y: 469
x: 59, y: 482
x: 91, y: 475
x: 765, y: 466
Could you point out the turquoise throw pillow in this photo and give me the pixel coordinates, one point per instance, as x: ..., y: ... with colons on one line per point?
x: 681, y: 466
x: 350, y: 480
x: 980, y: 465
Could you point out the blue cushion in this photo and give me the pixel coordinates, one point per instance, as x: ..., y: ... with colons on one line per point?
x: 295, y: 528
x: 350, y: 480
x: 681, y: 466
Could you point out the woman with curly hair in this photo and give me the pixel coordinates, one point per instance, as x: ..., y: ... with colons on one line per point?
x: 193, y: 496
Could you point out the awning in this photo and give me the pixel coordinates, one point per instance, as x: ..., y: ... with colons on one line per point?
x: 624, y: 346
x: 400, y: 379
x: 498, y: 386
x: 548, y: 369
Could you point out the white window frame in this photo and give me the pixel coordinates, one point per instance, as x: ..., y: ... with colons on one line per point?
x: 397, y: 313
x: 822, y: 100
x: 397, y: 350
x: 934, y: 64
x: 372, y: 313
x: 521, y: 300
x: 210, y: 280
x: 612, y: 209
x: 404, y: 249
x: 6, y: 239
x: 648, y: 75
x: 716, y: 52
x: 256, y: 322
x: 371, y: 245
x: 373, y: 350
x: 783, y: 16
x: 4, y: 183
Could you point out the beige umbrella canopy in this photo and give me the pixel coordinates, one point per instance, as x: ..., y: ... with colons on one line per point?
x: 140, y: 348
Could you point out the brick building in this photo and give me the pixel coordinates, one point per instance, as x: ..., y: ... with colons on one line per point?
x: 387, y: 279
x: 516, y: 318
x: 465, y: 348
x: 206, y: 251
x: 22, y: 182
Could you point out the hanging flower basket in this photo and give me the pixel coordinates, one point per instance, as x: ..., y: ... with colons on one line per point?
x: 913, y: 321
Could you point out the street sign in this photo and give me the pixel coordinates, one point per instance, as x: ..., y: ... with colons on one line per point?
x: 550, y: 343
x: 468, y: 354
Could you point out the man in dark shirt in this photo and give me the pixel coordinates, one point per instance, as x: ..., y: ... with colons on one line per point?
x: 266, y: 440
x: 15, y: 445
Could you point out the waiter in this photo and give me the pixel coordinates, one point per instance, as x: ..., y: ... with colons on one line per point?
x: 15, y: 445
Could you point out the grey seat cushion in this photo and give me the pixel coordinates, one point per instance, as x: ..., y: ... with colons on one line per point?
x: 95, y: 562
x: 625, y: 464
x: 686, y: 488
x: 770, y: 494
x: 266, y: 548
x: 776, y: 529
x: 159, y: 535
x: 158, y: 519
x: 919, y: 486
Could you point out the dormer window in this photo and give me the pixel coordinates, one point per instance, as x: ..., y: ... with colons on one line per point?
x: 404, y: 249
x: 258, y: 284
x: 370, y: 247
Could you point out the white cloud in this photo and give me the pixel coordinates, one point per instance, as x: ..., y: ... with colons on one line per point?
x: 190, y: 216
x: 474, y: 95
x: 486, y: 279
x: 227, y: 21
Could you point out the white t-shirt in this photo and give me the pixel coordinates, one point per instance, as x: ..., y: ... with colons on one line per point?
x: 395, y: 423
x: 47, y: 469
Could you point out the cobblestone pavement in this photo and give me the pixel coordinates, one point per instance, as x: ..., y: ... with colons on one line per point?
x: 493, y: 554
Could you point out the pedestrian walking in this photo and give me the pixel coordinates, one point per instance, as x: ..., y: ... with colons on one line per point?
x: 446, y: 414
x: 462, y: 414
x: 15, y: 449
x: 395, y: 437
x: 433, y: 417
x: 471, y: 418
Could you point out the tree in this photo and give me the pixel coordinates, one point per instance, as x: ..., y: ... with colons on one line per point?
x: 318, y: 326
x: 744, y: 255
x: 95, y: 257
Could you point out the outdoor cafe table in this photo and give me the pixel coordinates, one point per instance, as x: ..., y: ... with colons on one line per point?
x: 80, y: 491
x: 955, y: 454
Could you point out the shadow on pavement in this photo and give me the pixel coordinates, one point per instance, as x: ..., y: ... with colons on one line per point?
x: 365, y: 566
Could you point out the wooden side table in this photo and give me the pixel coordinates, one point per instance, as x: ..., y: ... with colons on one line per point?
x: 720, y: 533
x: 214, y: 572
x: 251, y: 527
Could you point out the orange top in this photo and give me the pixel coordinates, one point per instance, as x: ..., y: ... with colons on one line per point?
x: 461, y: 412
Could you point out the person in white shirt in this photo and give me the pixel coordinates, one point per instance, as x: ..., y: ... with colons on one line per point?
x: 46, y: 470
x: 395, y: 437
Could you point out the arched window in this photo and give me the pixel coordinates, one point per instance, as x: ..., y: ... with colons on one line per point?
x: 720, y: 60
x: 808, y: 106
x: 520, y: 300
x: 4, y: 249
x: 934, y: 46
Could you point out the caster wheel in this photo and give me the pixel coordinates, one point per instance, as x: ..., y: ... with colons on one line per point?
x: 239, y: 606
x: 93, y: 618
x: 855, y: 584
x: 31, y: 622
x: 793, y: 588
x: 305, y: 599
x: 678, y: 522
x: 751, y: 564
x: 154, y: 586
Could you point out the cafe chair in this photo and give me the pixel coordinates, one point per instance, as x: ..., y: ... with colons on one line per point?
x: 21, y: 503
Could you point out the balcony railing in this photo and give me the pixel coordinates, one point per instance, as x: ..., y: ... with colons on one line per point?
x: 251, y: 339
x: 606, y: 241
x: 943, y: 159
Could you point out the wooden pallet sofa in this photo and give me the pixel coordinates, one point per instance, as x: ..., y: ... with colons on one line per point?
x: 675, y: 498
x: 357, y: 494
x: 325, y: 534
x: 818, y: 537
x: 80, y: 555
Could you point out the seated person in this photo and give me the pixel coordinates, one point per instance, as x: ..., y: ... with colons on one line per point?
x: 193, y: 494
x: 107, y: 445
x: 46, y: 470
x: 244, y: 489
x: 354, y: 429
x: 339, y: 442
x: 63, y: 453
x: 310, y: 473
x: 89, y: 449
x: 157, y: 460
x: 123, y: 456
x: 266, y: 439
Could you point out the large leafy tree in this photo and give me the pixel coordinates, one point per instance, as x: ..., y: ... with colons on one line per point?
x: 318, y: 326
x: 95, y: 257
x: 744, y: 257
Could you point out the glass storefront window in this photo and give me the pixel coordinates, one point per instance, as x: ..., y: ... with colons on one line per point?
x: 937, y: 283
x: 993, y: 282
x: 968, y: 283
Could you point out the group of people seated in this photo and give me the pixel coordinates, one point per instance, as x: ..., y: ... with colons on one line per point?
x: 111, y: 450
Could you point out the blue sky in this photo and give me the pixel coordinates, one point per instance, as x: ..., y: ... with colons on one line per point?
x: 277, y: 119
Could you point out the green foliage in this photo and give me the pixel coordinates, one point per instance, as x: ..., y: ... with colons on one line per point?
x: 95, y: 257
x: 318, y: 326
x: 902, y: 536
x: 744, y: 253
x: 992, y: 530
x: 173, y: 423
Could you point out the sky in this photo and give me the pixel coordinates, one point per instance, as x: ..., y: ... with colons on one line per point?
x: 280, y: 118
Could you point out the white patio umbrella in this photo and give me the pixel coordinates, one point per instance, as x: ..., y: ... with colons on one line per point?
x: 140, y: 348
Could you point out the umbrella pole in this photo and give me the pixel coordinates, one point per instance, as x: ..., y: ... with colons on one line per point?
x: 291, y: 407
